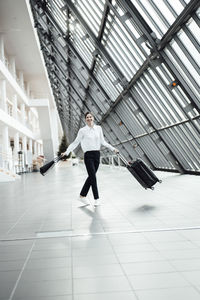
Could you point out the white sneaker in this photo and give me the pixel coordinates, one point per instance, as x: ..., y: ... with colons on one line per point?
x: 97, y: 202
x: 84, y: 200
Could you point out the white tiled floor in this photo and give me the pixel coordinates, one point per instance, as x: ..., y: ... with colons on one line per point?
x: 139, y: 245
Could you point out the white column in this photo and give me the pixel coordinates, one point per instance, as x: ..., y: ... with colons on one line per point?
x: 5, y: 147
x: 5, y: 140
x: 16, y: 145
x: 21, y: 79
x: 22, y: 113
x: 15, y: 106
x: 12, y: 66
x: 29, y: 117
x: 28, y: 89
x: 24, y: 147
x: 41, y: 149
x: 38, y: 149
x: 30, y: 154
x: 35, y: 148
x: 54, y: 126
x: 2, y: 54
x: 3, y: 95
x: 30, y: 145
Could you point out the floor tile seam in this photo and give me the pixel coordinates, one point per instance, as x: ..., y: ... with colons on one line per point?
x: 20, y: 274
x: 36, y: 269
x: 170, y: 261
x: 41, y: 297
x: 50, y: 257
x: 71, y: 252
x: 189, y: 240
x: 47, y: 280
x: 91, y: 256
x: 124, y: 275
x: 192, y: 284
x: 161, y: 254
x: 15, y: 224
x: 163, y: 288
x: 188, y: 251
x: 22, y: 269
x: 53, y: 268
x: 120, y: 210
x: 149, y: 250
x: 104, y: 292
x: 37, y: 250
x: 111, y: 263
x: 122, y: 268
x: 74, y: 257
x: 155, y: 273
x: 189, y: 270
x: 24, y: 281
x: 104, y: 233
x: 72, y: 268
x: 110, y: 253
x: 120, y: 213
x: 100, y: 293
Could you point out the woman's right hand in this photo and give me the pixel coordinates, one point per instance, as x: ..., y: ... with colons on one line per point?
x: 116, y: 151
x: 62, y: 154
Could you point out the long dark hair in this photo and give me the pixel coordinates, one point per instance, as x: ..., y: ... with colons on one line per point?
x: 88, y: 113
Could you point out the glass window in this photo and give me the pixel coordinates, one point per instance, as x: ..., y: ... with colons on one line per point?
x: 91, y: 13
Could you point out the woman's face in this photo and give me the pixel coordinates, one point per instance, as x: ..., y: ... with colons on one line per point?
x: 89, y: 120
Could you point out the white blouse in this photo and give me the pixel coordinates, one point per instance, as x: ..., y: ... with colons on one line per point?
x: 91, y: 139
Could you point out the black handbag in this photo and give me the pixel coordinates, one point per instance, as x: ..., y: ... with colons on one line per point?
x: 44, y: 169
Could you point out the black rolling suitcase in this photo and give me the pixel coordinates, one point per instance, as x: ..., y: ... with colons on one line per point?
x: 141, y: 172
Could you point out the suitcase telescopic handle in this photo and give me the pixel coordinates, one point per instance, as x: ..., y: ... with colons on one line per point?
x: 122, y: 158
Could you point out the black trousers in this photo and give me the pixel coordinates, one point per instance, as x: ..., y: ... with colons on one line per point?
x: 91, y: 159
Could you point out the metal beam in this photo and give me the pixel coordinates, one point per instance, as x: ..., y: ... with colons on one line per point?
x: 137, y: 75
x: 63, y: 58
x: 71, y: 47
x: 139, y: 21
x: 191, y: 7
x: 185, y: 15
x: 103, y: 22
x: 96, y: 41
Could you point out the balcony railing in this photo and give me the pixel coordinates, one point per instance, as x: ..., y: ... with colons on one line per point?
x: 7, y: 162
x: 21, y: 84
x: 112, y: 160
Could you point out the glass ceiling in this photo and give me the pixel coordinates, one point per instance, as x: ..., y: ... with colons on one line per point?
x: 135, y: 65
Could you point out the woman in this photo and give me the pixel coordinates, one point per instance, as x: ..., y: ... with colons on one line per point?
x: 91, y: 138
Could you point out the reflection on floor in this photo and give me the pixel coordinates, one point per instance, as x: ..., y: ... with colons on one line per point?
x: 138, y: 245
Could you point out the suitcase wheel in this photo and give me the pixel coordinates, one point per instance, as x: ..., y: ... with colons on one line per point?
x: 152, y: 187
x: 160, y: 181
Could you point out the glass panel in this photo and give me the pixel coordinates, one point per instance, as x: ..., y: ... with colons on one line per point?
x: 158, y: 13
x: 188, y: 156
x: 191, y: 72
x: 186, y: 60
x: 122, y: 48
x: 152, y: 118
x: 127, y: 117
x: 177, y: 6
x: 59, y: 15
x: 106, y: 83
x: 153, y: 152
x: 91, y: 13
x: 82, y: 44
